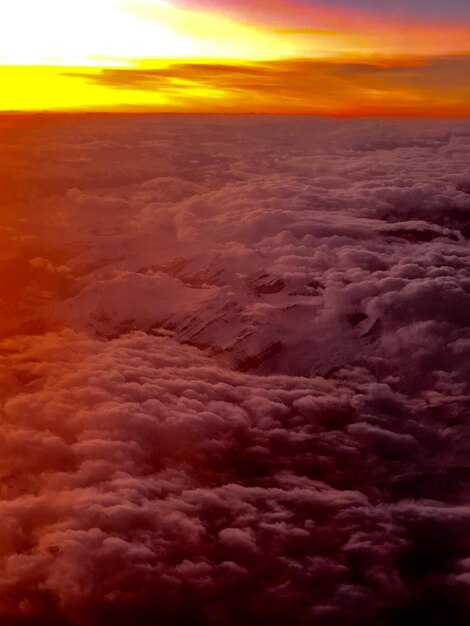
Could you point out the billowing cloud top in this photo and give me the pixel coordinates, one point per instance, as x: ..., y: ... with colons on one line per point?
x: 234, y: 372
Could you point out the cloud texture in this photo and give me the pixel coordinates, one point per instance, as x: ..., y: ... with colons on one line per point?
x: 234, y: 372
x: 386, y: 85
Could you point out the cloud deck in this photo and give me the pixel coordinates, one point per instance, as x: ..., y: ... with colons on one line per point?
x: 234, y: 365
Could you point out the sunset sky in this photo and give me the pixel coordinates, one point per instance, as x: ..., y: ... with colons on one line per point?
x: 343, y: 57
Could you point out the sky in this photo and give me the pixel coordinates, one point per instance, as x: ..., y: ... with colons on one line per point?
x: 272, y: 56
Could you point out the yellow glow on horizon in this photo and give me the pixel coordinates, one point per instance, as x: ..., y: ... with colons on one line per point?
x: 224, y: 87
x: 59, y: 55
x: 48, y: 88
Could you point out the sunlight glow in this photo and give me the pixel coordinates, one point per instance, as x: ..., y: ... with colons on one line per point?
x: 191, y: 55
x: 106, y: 32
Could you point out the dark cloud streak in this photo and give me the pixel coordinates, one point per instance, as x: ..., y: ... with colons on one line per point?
x: 408, y: 85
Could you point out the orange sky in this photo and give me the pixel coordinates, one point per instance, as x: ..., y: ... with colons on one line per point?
x: 279, y: 56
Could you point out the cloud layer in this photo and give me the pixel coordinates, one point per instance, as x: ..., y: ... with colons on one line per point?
x: 234, y: 372
x: 387, y: 85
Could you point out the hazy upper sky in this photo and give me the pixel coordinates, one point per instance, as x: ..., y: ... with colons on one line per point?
x: 341, y: 56
x: 441, y: 8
